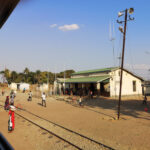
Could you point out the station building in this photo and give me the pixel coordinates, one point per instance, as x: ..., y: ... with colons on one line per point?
x: 104, y: 81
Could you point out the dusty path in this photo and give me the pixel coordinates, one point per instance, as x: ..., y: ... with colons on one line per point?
x: 132, y: 132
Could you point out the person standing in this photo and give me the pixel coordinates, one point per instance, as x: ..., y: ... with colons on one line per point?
x: 3, y: 92
x: 12, y: 100
x: 24, y: 90
x: 30, y: 96
x: 145, y: 100
x: 11, y: 121
x: 44, y: 99
x: 91, y: 94
x: 6, y: 107
x: 80, y: 101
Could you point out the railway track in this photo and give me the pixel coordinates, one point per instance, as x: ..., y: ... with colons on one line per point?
x: 56, y: 139
x: 71, y: 137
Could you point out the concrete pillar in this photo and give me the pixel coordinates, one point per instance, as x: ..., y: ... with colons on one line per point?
x: 98, y: 88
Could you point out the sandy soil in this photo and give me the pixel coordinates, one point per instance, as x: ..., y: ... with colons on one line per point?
x: 95, y: 120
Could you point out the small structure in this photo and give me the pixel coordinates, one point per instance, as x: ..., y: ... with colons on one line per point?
x: 3, y: 78
x: 19, y: 86
x: 22, y: 86
x: 13, y: 86
x: 131, y: 83
x: 44, y: 87
x: 60, y: 85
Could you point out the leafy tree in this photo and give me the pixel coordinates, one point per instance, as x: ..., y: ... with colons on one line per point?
x: 7, y: 75
x: 26, y: 71
x: 14, y: 75
x: 66, y: 73
x: 37, y: 77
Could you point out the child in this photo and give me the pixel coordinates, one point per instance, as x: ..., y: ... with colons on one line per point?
x: 80, y: 101
x: 30, y: 96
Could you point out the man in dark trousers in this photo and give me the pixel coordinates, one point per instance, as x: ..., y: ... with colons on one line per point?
x: 145, y: 100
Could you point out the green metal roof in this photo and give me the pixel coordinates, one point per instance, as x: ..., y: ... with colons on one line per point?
x: 87, y: 79
x: 95, y: 71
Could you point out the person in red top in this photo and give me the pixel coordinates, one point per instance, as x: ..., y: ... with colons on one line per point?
x: 11, y: 122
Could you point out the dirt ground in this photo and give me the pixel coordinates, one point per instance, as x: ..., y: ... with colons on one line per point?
x: 97, y: 119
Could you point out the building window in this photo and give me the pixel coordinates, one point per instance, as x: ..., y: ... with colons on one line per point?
x: 134, y: 86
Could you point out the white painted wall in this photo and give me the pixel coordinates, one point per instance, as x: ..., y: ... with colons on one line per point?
x: 24, y: 85
x: 44, y: 87
x: 147, y: 90
x: 127, y: 84
x: 13, y: 86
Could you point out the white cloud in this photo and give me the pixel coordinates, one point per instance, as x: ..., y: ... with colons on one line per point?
x: 53, y: 25
x: 69, y: 27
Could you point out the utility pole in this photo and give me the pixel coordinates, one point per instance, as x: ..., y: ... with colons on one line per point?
x: 131, y: 10
x: 122, y: 62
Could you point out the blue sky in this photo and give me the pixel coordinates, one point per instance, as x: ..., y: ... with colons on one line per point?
x: 35, y: 35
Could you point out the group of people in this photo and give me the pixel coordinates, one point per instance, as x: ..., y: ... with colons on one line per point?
x: 43, y: 96
x: 9, y: 105
x: 80, y: 91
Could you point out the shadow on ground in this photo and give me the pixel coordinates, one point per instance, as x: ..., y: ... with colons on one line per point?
x: 129, y: 107
x: 39, y: 104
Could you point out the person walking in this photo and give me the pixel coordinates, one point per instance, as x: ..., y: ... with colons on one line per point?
x: 44, y: 99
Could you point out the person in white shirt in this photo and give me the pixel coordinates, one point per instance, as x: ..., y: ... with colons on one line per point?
x: 30, y: 96
x: 43, y: 99
x: 80, y: 101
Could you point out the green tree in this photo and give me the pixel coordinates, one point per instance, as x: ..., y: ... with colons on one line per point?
x: 26, y: 72
x: 7, y: 75
x: 66, y: 73
x: 14, y: 76
x: 38, y: 76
